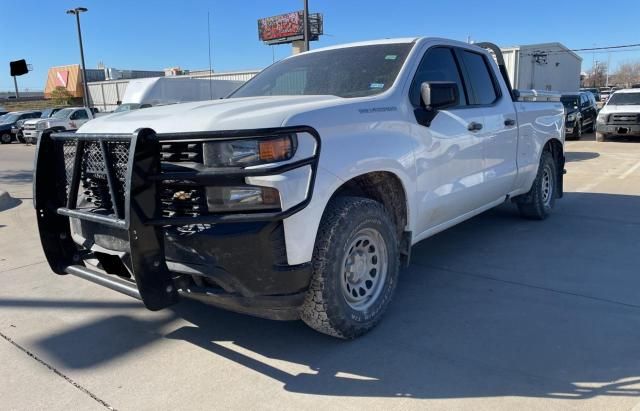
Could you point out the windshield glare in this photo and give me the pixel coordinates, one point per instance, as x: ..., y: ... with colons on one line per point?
x: 62, y: 113
x: 346, y: 72
x: 624, y: 99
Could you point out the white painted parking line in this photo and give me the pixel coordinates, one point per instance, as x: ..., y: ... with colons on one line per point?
x: 629, y: 171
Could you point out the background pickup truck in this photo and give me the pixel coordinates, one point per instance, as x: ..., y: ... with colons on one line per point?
x: 620, y: 115
x: 300, y: 195
x: 70, y: 118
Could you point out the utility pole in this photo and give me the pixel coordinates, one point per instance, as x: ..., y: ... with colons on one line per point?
x: 77, y: 12
x: 608, y: 65
x: 305, y: 17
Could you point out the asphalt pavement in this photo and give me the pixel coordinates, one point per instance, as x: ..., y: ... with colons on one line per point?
x: 495, y: 313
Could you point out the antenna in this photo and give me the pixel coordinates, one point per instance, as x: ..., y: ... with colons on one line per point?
x: 210, y: 69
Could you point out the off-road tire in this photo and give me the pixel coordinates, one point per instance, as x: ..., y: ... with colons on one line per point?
x: 325, y: 308
x: 600, y: 137
x: 534, y: 205
x: 5, y: 138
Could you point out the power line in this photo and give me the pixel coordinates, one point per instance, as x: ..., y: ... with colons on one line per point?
x: 608, y: 47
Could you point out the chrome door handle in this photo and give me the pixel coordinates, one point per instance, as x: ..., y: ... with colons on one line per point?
x: 473, y: 126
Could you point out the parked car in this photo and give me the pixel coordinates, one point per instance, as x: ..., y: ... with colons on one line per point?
x: 69, y: 118
x: 620, y: 116
x: 582, y: 111
x: 18, y: 128
x: 594, y: 91
x: 301, y: 194
x: 10, y: 119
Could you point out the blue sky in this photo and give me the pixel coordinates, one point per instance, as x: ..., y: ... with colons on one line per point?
x: 146, y: 34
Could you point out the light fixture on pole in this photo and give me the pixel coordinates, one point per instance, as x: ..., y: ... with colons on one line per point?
x: 77, y: 12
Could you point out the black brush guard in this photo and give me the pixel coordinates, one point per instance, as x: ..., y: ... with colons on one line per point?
x: 130, y: 168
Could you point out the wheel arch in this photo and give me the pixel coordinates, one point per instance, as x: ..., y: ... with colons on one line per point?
x: 556, y: 148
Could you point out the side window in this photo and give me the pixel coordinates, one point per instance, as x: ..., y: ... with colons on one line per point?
x: 480, y: 83
x: 438, y: 64
x: 80, y: 115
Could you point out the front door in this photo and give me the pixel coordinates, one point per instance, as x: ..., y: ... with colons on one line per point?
x: 449, y: 155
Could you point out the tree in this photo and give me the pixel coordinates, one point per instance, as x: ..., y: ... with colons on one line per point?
x: 597, y: 77
x: 61, y: 96
x: 628, y: 74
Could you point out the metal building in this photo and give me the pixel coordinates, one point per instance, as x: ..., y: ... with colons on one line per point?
x: 546, y: 66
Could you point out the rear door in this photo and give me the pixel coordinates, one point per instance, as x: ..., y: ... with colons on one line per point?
x: 449, y: 156
x: 500, y: 132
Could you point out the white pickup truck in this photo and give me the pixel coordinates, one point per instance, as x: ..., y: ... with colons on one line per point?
x: 300, y: 195
x: 620, y: 116
x: 70, y: 118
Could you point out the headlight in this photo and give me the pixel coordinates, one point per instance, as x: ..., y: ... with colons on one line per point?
x: 571, y: 117
x: 248, y: 152
x: 601, y: 119
x: 245, y: 198
x: 41, y: 126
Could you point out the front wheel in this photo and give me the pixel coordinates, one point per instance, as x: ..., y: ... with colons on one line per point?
x: 5, y: 138
x: 539, y: 201
x: 355, y: 268
x: 577, y: 132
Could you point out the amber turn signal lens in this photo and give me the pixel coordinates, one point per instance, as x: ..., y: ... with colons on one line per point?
x: 275, y: 150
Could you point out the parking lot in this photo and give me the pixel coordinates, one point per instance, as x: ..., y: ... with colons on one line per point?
x: 496, y: 313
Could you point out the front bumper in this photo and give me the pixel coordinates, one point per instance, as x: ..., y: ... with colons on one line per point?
x: 32, y: 134
x: 619, y: 129
x: 236, y: 261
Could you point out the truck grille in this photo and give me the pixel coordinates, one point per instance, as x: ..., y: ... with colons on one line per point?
x: 180, y: 198
x: 624, y: 118
x: 94, y: 188
x: 29, y: 126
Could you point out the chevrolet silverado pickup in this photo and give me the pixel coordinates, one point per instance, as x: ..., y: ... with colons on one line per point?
x: 300, y: 195
x: 69, y: 118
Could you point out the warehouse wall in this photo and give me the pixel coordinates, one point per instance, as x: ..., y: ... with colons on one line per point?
x: 556, y: 69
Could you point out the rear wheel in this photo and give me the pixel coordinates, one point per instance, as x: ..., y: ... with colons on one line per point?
x: 539, y: 201
x: 355, y: 268
x: 5, y: 138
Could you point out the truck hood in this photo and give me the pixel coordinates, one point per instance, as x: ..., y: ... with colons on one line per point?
x: 608, y: 109
x: 227, y: 114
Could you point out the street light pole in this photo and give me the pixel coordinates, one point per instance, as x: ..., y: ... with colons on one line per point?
x: 77, y: 12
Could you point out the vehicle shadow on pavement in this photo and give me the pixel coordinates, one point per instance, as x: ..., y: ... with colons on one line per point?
x: 497, y: 306
x: 581, y: 155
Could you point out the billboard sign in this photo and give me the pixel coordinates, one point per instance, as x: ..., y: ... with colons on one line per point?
x: 62, y: 77
x: 288, y: 27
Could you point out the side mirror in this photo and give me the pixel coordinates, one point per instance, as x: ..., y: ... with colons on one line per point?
x: 438, y: 95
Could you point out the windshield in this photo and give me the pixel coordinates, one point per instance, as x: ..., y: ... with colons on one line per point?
x: 127, y: 107
x: 64, y: 113
x: 10, y: 118
x: 569, y: 101
x: 46, y: 113
x: 624, y: 99
x: 346, y: 72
